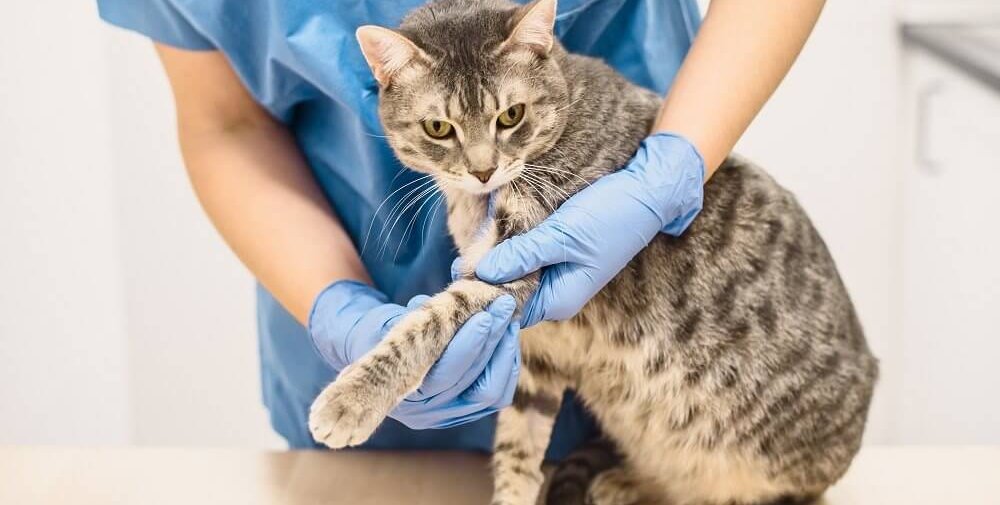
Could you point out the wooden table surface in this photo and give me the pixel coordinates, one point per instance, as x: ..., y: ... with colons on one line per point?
x: 146, y: 476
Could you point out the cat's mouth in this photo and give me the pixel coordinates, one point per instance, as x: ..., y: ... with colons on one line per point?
x: 500, y: 177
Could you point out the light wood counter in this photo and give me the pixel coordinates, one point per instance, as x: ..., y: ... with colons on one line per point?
x: 148, y: 476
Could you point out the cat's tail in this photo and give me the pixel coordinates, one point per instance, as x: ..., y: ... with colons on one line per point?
x: 571, y: 480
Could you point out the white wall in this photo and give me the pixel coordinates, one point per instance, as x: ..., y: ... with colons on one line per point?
x: 63, y: 360
x: 123, y: 318
x: 951, y: 279
x: 121, y: 309
x: 190, y: 304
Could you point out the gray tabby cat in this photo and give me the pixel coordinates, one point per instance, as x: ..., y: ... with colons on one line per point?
x: 725, y: 367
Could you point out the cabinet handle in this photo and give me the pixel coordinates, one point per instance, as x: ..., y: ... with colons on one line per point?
x: 924, y: 97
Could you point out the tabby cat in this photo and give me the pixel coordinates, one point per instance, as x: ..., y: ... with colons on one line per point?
x: 725, y: 367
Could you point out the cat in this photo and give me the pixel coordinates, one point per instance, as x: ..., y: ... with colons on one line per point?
x: 724, y: 366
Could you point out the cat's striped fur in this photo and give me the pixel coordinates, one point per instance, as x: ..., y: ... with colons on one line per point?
x: 725, y: 367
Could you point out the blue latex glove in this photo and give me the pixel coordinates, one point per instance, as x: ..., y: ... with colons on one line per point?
x: 474, y: 378
x: 595, y: 233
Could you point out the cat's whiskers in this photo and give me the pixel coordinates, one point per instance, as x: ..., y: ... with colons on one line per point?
x: 506, y: 73
x: 517, y: 191
x: 540, y: 191
x: 399, y: 208
x: 556, y: 171
x: 386, y: 200
x: 433, y: 213
x: 523, y: 201
x: 547, y: 184
x: 552, y: 207
x: 416, y: 214
x: 424, y: 193
x: 377, y: 136
x: 402, y: 201
x: 572, y: 103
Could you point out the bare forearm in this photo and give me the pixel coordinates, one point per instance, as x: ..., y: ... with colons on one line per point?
x: 254, y: 184
x: 741, y: 54
x: 258, y: 192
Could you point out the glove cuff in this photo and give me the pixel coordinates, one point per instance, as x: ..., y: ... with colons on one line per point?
x: 673, y: 171
x: 335, y: 312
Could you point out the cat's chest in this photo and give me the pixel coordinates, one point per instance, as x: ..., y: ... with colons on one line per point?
x: 477, y: 224
x: 556, y: 351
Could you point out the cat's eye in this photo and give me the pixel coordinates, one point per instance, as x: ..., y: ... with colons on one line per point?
x: 511, y: 117
x: 437, y: 129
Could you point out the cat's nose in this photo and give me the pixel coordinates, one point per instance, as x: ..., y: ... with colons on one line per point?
x: 483, y: 175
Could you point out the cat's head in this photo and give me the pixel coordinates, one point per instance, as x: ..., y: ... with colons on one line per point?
x: 470, y: 90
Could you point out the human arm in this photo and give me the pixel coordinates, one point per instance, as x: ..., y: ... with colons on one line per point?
x: 738, y: 58
x: 740, y: 55
x: 254, y: 184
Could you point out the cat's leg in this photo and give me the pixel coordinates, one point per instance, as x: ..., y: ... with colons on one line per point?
x: 569, y: 483
x: 617, y: 486
x: 522, y: 437
x: 349, y: 410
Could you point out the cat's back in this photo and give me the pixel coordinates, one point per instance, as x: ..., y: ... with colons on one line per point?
x: 755, y: 270
x: 747, y: 311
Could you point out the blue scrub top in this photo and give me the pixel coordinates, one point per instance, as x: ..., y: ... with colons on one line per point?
x: 299, y: 59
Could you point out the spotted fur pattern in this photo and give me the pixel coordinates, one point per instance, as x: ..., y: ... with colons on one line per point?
x: 725, y: 367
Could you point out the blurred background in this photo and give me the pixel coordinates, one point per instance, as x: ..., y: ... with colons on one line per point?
x: 125, y: 320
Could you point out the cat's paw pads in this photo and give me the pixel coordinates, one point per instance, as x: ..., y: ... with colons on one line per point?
x: 341, y: 416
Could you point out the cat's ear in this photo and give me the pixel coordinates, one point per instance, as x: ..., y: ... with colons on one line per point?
x: 386, y: 51
x: 534, y: 27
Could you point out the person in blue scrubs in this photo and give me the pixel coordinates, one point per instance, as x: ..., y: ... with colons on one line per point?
x: 276, y: 112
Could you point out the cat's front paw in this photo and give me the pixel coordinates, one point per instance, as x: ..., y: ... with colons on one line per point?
x: 343, y: 415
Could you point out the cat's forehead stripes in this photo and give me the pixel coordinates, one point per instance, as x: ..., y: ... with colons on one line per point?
x: 455, y: 108
x: 463, y: 78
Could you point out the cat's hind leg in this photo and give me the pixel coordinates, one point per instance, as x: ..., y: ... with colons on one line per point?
x: 617, y: 486
x: 522, y: 437
x: 569, y: 483
x: 596, y: 474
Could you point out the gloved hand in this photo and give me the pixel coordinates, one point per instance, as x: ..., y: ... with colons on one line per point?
x: 596, y: 232
x: 474, y: 378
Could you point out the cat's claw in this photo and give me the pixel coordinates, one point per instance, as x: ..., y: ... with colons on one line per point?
x: 341, y: 417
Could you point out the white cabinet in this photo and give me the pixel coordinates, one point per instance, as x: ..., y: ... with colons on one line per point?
x: 951, y: 256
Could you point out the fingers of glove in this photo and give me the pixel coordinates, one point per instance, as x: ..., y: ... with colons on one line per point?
x: 460, y: 354
x: 563, y: 291
x: 456, y: 269
x: 462, y: 410
x: 416, y: 415
x: 335, y: 314
x: 546, y: 244
x: 417, y: 301
x: 370, y: 330
x: 534, y: 310
x: 442, y: 390
x: 508, y: 395
x: 491, y: 386
x: 451, y: 422
x: 456, y: 412
x: 487, y: 395
x: 422, y: 415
